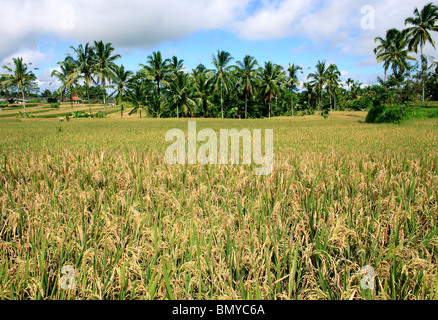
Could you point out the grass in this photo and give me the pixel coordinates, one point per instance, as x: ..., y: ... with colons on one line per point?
x: 96, y: 194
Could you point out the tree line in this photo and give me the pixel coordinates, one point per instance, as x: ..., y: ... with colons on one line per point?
x: 162, y: 87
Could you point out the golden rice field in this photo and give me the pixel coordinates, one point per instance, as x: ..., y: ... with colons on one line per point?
x: 97, y: 194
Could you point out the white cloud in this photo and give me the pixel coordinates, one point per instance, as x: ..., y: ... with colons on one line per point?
x: 134, y: 23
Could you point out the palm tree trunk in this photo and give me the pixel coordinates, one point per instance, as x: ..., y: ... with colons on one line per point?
x: 24, y: 102
x: 422, y: 72
x: 104, y: 101
x: 246, y: 105
x: 292, y: 101
x: 222, y: 108
x: 269, y: 107
x: 89, y: 104
x: 121, y: 110
x: 71, y: 102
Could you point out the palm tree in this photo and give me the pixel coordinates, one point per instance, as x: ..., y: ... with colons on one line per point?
x: 292, y: 82
x: 384, y: 47
x: 19, y: 76
x: 84, y: 63
x: 221, y: 80
x: 201, y: 90
x: 269, y: 77
x: 333, y: 76
x: 422, y: 22
x: 248, y: 73
x: 176, y: 66
x: 319, y: 79
x: 67, y: 68
x: 181, y: 95
x: 104, y: 64
x: 121, y: 79
x: 157, y: 69
x: 396, y: 55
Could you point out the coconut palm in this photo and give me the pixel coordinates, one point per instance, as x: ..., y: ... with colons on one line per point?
x: 384, y: 46
x: 333, y: 77
x: 157, y: 69
x: 67, y: 68
x: 84, y: 63
x: 221, y: 79
x: 269, y: 82
x: 396, y: 55
x: 293, y: 81
x: 418, y: 34
x: 202, y: 84
x: 181, y: 95
x: 176, y: 66
x: 319, y: 79
x: 19, y: 76
x: 120, y: 78
x: 247, y: 73
x: 104, y: 64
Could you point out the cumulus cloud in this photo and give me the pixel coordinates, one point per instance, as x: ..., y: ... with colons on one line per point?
x: 131, y: 23
x: 333, y: 24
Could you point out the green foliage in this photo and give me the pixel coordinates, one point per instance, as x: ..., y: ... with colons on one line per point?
x: 55, y: 105
x: 382, y: 114
x: 80, y: 114
x: 360, y: 104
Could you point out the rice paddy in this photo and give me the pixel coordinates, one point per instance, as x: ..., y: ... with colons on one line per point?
x: 97, y: 194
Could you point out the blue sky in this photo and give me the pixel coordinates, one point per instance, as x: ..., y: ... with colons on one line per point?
x: 282, y: 31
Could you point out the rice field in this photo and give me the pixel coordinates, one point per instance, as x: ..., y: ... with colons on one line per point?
x: 96, y: 194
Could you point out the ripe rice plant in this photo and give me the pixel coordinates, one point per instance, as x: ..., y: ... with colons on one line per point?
x: 99, y: 196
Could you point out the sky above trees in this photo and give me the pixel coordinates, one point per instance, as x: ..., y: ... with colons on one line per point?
x: 283, y: 31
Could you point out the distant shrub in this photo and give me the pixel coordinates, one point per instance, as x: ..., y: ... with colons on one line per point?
x: 100, y: 114
x: 382, y: 114
x: 360, y: 104
x: 79, y: 114
x: 434, y: 114
x: 55, y: 105
x: 374, y: 114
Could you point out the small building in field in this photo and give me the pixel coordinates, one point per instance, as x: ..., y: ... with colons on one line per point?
x: 76, y: 100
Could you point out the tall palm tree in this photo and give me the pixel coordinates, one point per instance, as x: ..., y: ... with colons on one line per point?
x: 181, y: 94
x: 201, y: 91
x: 422, y: 22
x: 293, y: 81
x: 396, y: 55
x: 319, y: 79
x: 333, y: 76
x: 84, y: 63
x: 221, y: 79
x: 247, y: 72
x: 384, y: 47
x: 120, y: 78
x: 67, y: 68
x: 19, y: 76
x: 269, y: 82
x: 157, y: 69
x: 176, y: 66
x: 104, y: 64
